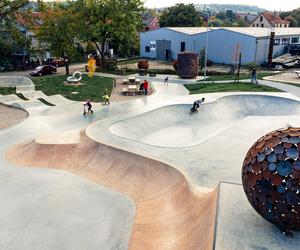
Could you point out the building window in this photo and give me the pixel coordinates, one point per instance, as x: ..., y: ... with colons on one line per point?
x: 261, y: 18
x: 276, y: 41
x: 285, y: 41
x: 262, y: 25
x: 182, y: 46
x: 147, y: 49
x: 295, y: 40
x: 256, y: 25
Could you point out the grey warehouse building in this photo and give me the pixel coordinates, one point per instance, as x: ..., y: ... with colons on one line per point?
x: 166, y: 43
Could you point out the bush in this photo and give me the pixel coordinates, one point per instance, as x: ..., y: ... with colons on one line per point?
x: 251, y: 65
x: 143, y: 64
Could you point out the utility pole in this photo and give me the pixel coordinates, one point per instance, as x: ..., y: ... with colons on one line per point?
x: 206, y: 47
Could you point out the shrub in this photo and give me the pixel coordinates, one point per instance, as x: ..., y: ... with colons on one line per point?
x: 252, y: 65
x: 143, y: 64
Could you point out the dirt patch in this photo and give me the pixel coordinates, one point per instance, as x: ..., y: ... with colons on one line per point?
x: 11, y: 116
x: 117, y: 95
x: 73, y: 84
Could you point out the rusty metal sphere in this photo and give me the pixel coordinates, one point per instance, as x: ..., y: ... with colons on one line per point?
x: 271, y: 177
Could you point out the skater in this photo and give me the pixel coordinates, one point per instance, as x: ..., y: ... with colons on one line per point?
x: 254, y: 76
x: 141, y: 88
x: 89, y: 106
x: 166, y: 81
x: 197, y: 104
x: 146, y: 85
x: 105, y: 99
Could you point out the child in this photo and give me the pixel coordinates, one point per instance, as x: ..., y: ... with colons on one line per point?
x: 105, y: 98
x: 89, y: 106
x: 197, y: 103
x: 166, y: 80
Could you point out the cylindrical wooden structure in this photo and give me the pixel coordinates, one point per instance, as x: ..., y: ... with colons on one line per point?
x: 188, y: 64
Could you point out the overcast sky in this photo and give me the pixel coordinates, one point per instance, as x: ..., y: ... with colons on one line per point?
x: 267, y: 4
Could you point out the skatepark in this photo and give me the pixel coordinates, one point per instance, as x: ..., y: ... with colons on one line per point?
x: 137, y: 174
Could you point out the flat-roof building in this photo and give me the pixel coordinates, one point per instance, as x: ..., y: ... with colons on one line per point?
x: 252, y: 42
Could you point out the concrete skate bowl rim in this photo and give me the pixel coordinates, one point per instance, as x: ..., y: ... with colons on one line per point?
x: 174, y: 207
x: 232, y: 96
x: 19, y: 109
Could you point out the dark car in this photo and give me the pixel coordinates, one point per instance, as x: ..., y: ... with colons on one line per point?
x: 43, y: 70
x: 56, y: 62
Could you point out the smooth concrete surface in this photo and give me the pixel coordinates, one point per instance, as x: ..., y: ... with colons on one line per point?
x: 166, y: 205
x: 174, y: 126
x: 26, y: 210
x: 239, y: 226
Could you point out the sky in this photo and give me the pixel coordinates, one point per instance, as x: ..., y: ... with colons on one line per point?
x: 283, y: 5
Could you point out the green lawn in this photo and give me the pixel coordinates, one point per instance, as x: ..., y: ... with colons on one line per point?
x: 232, y: 77
x: 10, y: 91
x: 7, y: 90
x: 227, y: 87
x: 91, y: 88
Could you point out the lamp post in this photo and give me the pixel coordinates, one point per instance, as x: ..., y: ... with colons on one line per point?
x: 206, y: 47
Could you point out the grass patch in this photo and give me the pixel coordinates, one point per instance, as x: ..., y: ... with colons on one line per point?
x: 227, y: 87
x: 7, y: 90
x: 91, y: 88
x: 129, y: 61
x: 226, y: 77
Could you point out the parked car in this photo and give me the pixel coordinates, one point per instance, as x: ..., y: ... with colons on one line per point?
x: 56, y: 62
x: 43, y: 70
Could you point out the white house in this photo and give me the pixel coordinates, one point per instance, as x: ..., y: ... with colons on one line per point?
x: 223, y: 43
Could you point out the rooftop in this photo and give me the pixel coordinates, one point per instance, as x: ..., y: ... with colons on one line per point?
x: 250, y: 31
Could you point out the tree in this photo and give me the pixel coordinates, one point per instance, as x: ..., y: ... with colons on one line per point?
x: 110, y: 20
x: 295, y: 14
x: 292, y: 20
x: 180, y: 15
x: 59, y: 32
x: 221, y: 15
x: 8, y: 7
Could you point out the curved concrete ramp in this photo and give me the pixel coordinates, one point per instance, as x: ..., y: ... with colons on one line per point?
x: 11, y: 116
x: 170, y: 215
x: 174, y: 126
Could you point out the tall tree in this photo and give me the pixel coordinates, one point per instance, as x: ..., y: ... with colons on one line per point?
x: 110, y: 20
x: 292, y: 16
x: 60, y: 32
x: 8, y: 7
x: 180, y: 15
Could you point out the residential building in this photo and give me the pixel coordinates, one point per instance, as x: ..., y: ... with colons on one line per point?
x: 269, y: 20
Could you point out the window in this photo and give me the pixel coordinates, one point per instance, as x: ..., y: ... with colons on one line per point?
x: 256, y: 25
x: 276, y: 41
x: 182, y: 46
x: 295, y: 40
x: 262, y: 25
x: 261, y: 18
x: 285, y: 41
x: 147, y: 49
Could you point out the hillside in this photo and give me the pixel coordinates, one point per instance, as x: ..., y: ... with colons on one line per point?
x: 235, y: 7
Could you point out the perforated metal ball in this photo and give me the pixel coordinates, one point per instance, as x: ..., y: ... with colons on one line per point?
x: 271, y: 177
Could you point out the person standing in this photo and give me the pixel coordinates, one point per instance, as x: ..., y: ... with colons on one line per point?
x: 254, y: 76
x: 166, y: 81
x: 146, y: 86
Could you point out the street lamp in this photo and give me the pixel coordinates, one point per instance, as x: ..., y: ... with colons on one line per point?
x: 207, y: 12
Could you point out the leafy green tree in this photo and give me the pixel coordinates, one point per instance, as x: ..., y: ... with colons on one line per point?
x: 292, y: 20
x: 295, y: 14
x: 110, y: 20
x: 180, y: 15
x: 59, y: 32
x: 221, y: 15
x: 8, y: 7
